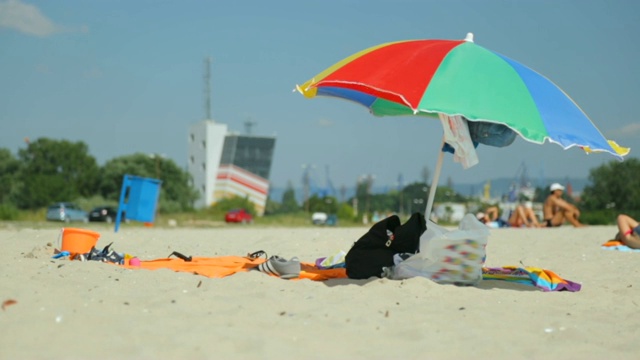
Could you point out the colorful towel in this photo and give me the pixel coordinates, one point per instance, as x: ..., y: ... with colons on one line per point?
x: 617, y: 245
x: 332, y: 262
x: 222, y: 266
x: 546, y: 280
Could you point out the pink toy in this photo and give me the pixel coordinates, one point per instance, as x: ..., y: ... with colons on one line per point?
x: 134, y: 261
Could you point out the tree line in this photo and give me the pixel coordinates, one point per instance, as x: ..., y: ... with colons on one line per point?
x: 49, y: 171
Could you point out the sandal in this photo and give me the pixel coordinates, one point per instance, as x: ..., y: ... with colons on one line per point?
x: 257, y: 254
x: 180, y: 256
x: 277, y: 266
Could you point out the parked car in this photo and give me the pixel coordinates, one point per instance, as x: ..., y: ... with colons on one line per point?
x: 319, y: 218
x: 238, y: 216
x: 67, y: 212
x: 105, y: 214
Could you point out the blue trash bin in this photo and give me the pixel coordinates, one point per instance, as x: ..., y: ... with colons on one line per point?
x: 138, y: 199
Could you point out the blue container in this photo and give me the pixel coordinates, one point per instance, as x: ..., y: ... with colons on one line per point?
x: 138, y: 199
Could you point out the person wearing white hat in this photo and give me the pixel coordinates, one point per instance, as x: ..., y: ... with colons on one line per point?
x: 556, y: 210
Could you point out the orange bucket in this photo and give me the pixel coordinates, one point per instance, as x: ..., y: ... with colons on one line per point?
x: 78, y: 241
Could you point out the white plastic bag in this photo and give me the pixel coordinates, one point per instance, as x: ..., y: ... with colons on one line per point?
x: 448, y: 256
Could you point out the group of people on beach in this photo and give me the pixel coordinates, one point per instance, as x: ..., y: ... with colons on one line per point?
x: 556, y: 212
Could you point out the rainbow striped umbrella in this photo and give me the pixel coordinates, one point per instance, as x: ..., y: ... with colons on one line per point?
x: 458, y: 77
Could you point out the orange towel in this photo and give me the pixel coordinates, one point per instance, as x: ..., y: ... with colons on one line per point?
x: 613, y: 243
x: 219, y: 267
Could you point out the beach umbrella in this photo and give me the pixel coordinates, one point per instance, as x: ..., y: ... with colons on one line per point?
x: 464, y: 85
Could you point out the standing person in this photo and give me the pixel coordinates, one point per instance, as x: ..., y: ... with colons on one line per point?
x: 628, y: 231
x: 557, y: 210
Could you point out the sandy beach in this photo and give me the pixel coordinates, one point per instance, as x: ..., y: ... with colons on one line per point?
x: 60, y: 309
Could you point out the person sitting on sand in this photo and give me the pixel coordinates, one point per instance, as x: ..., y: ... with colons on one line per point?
x: 523, y: 216
x: 628, y: 231
x: 490, y: 217
x: 557, y: 210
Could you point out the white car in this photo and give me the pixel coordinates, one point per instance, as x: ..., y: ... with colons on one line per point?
x: 319, y: 218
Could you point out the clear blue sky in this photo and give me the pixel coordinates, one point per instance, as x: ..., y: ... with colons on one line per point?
x: 127, y: 76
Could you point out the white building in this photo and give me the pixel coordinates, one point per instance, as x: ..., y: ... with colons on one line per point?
x: 224, y: 165
x: 206, y: 139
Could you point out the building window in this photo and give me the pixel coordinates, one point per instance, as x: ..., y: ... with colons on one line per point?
x: 204, y: 144
x: 192, y: 160
x: 192, y: 138
x: 204, y: 167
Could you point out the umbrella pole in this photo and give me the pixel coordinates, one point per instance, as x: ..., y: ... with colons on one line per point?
x: 434, y: 183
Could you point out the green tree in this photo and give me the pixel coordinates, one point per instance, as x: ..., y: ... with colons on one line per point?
x: 271, y: 207
x: 9, y: 167
x: 346, y: 212
x: 615, y: 186
x: 176, y: 193
x: 327, y: 204
x: 363, y: 193
x: 55, y: 170
x: 384, y: 203
x: 289, y: 202
x: 415, y: 196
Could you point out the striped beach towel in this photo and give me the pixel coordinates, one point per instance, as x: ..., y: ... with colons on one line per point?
x: 544, y: 279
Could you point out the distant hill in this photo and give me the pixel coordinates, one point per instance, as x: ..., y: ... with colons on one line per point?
x: 499, y: 187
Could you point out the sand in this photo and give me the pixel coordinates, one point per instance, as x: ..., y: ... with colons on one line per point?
x: 75, y: 310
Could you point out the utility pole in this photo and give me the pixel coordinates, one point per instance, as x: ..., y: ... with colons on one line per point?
x: 207, y: 87
x: 305, y: 186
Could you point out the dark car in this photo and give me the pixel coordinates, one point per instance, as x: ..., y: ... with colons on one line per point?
x: 67, y: 212
x: 105, y: 214
x: 238, y: 216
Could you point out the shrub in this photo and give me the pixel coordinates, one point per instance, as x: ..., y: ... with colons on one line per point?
x: 8, y: 212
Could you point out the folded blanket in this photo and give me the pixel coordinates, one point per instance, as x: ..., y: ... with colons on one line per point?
x: 617, y: 245
x: 546, y: 280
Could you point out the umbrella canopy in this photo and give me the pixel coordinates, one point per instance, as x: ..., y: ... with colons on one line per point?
x: 458, y: 77
x: 451, y: 79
